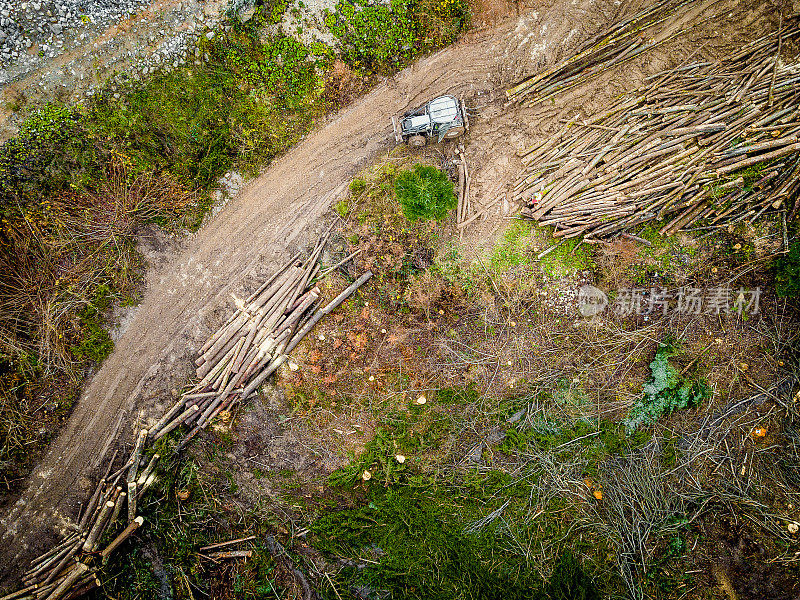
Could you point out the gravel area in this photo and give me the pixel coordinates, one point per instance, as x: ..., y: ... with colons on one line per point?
x: 63, y: 50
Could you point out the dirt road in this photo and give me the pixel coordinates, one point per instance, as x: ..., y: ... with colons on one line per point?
x: 272, y: 216
x: 252, y: 233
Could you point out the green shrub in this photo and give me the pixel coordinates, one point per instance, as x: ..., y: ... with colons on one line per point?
x: 787, y: 273
x: 377, y: 37
x: 374, y: 37
x: 425, y: 193
x: 665, y: 392
x: 51, y: 151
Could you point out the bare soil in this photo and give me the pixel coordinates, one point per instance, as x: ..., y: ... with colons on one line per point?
x: 282, y: 210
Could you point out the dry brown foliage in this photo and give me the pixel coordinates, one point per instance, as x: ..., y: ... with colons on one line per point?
x: 615, y: 258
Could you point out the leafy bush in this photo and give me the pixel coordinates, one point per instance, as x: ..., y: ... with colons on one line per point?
x: 787, y: 273
x: 374, y: 37
x: 665, y: 392
x: 50, y: 151
x: 425, y: 193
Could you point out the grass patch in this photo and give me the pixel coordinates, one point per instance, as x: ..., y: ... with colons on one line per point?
x: 375, y: 38
x: 515, y: 248
x: 96, y: 344
x: 570, y: 257
x: 412, y: 543
x: 787, y: 273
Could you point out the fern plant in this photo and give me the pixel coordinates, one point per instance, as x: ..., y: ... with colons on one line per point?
x: 665, y: 392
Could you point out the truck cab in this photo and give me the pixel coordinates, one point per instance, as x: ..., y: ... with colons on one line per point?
x: 443, y: 117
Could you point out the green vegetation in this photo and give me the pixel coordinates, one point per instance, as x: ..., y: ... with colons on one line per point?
x: 518, y: 248
x: 397, y: 249
x: 375, y: 37
x: 515, y: 247
x: 603, y: 440
x: 425, y: 193
x: 665, y: 392
x: 787, y: 273
x: 570, y: 257
x: 95, y: 344
x: 78, y: 182
x: 415, y: 546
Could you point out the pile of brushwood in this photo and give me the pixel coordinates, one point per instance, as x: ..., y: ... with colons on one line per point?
x: 236, y: 359
x: 704, y: 145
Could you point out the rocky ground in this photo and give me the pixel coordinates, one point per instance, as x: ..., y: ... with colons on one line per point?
x: 63, y: 49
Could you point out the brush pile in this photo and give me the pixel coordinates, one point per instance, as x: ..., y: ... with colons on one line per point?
x: 235, y: 360
x: 252, y: 344
x: 717, y: 142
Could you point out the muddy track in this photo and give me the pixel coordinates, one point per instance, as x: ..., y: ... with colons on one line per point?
x: 273, y: 215
x: 253, y: 232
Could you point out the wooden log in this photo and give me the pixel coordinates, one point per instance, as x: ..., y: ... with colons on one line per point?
x: 231, y: 554
x: 228, y: 543
x: 682, y: 219
x: 83, y: 587
x: 272, y: 279
x: 699, y: 129
x: 177, y: 422
x: 461, y: 182
x: 20, y: 594
x: 37, y: 574
x: 169, y: 415
x: 338, y: 264
x: 148, y: 469
x: 142, y: 488
x: 257, y: 381
x: 216, y: 372
x: 274, y: 309
x: 777, y: 143
x: 91, y: 540
x: 606, y: 149
x: 117, y: 508
x: 124, y: 535
x: 252, y: 298
x: 753, y: 160
x: 93, y: 502
x: 49, y: 554
x: 136, y: 455
x: 133, y: 471
x: 636, y: 238
x: 62, y: 564
x: 264, y: 355
x: 230, y: 337
x: 237, y: 350
x: 267, y: 316
x: 62, y: 588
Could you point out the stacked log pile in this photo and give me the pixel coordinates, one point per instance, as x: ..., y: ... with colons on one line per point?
x: 616, y: 46
x: 69, y: 569
x: 717, y: 142
x: 233, y: 363
x: 248, y: 348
